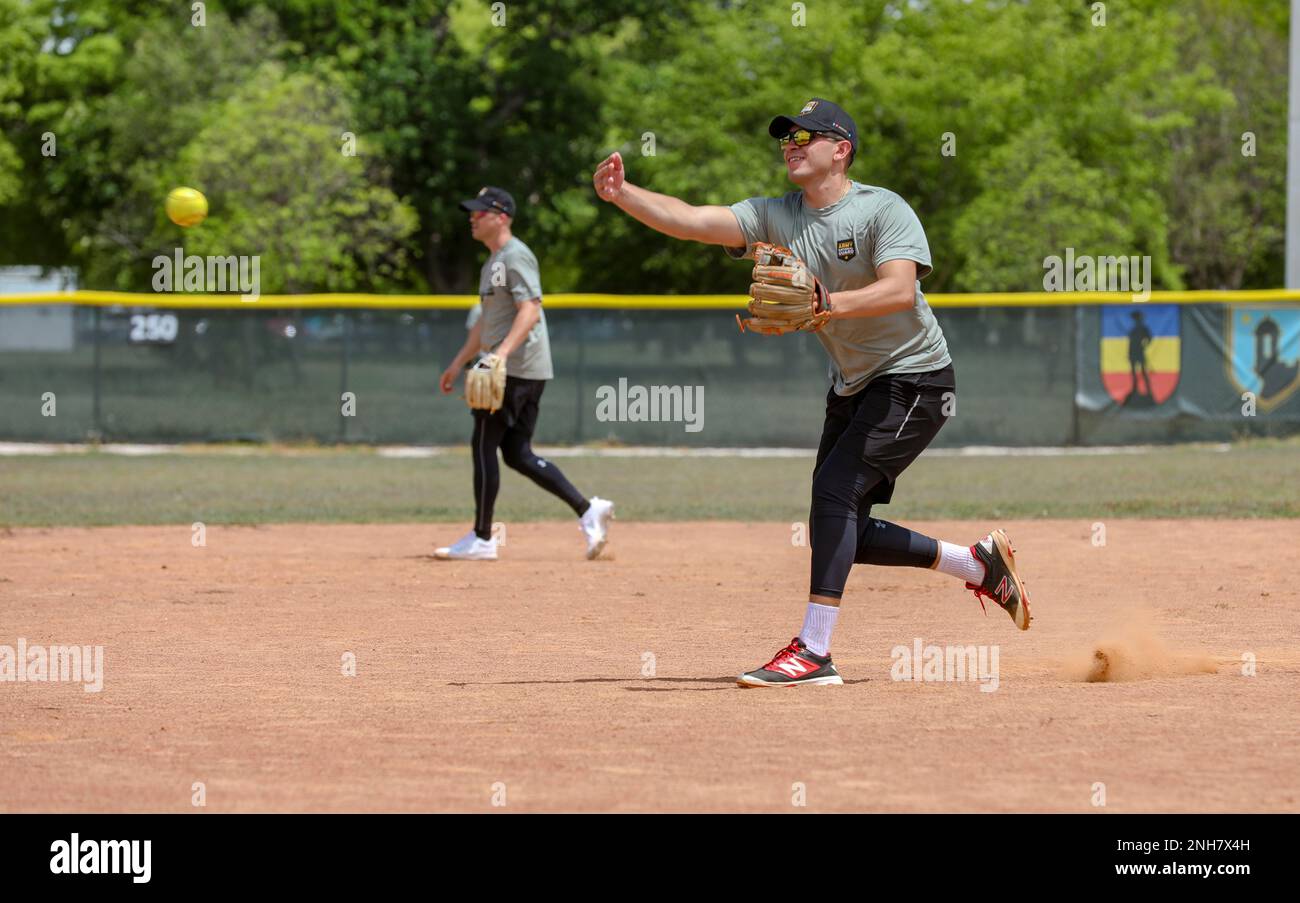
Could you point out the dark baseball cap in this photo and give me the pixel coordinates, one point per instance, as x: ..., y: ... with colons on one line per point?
x: 494, y: 199
x: 818, y: 115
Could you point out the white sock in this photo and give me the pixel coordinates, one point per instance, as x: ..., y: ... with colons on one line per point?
x: 818, y: 622
x: 958, y: 562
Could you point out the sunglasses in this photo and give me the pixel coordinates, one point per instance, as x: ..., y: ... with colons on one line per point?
x: 802, y: 137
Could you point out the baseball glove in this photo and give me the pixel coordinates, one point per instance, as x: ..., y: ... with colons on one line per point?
x: 485, y: 383
x: 784, y: 296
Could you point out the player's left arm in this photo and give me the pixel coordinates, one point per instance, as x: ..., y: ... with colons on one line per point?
x: 527, y: 313
x: 894, y: 290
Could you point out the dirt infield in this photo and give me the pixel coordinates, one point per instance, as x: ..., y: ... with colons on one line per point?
x: 224, y: 665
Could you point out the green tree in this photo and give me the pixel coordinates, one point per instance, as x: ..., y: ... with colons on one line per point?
x: 65, y: 57
x: 122, y: 114
x: 454, y: 101
x: 1122, y: 138
x: 24, y: 28
x: 272, y: 163
x: 1228, y: 191
x: 175, y: 115
x: 1057, y: 203
x: 1004, y: 83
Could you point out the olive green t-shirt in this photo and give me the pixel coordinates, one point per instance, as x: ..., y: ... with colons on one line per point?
x: 508, y: 278
x: 842, y: 245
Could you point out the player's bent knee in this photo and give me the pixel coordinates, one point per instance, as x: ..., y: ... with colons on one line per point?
x: 836, y: 490
x: 522, y: 460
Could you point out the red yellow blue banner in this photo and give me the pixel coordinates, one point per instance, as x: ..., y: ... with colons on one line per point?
x: 1141, y: 353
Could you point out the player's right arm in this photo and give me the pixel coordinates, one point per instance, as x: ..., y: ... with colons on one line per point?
x: 473, y: 344
x: 664, y: 213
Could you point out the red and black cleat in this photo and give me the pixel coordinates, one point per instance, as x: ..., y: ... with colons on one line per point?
x: 1001, y: 582
x: 792, y: 666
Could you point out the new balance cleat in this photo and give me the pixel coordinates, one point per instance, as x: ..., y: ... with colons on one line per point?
x: 1001, y: 582
x: 792, y: 666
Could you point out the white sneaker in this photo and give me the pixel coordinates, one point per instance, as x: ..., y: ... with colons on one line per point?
x: 595, y: 525
x: 469, y: 548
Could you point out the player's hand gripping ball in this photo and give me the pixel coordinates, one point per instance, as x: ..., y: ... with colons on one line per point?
x: 785, y: 296
x: 186, y: 207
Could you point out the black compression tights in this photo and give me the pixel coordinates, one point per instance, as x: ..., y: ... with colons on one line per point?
x: 490, y: 434
x: 842, y: 532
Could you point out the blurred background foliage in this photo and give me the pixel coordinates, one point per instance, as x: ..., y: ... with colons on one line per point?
x: 1125, y: 138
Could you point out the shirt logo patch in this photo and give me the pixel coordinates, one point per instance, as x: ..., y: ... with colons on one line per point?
x: 845, y: 249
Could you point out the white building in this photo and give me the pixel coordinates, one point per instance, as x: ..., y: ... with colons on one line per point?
x: 36, y: 327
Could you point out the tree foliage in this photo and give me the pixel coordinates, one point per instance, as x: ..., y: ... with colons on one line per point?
x: 1015, y: 129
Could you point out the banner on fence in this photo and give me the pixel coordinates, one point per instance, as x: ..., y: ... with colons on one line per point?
x: 1203, y: 361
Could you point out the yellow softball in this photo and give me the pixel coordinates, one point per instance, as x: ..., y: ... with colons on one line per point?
x: 186, y: 207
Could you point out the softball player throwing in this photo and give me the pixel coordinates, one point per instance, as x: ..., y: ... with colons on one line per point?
x: 856, y: 254
x: 509, y: 337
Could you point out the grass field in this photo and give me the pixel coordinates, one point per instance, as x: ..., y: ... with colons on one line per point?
x: 240, y: 485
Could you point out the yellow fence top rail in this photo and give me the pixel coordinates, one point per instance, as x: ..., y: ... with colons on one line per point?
x: 176, y: 300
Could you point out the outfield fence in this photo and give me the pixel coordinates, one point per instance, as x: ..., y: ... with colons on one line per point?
x: 1032, y: 369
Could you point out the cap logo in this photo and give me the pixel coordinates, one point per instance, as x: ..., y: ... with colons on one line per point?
x: 808, y: 107
x: 481, y: 192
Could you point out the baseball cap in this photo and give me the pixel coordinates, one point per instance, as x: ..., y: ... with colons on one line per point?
x: 489, y: 198
x: 818, y: 115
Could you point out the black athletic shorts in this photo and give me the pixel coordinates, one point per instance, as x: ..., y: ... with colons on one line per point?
x: 889, y: 422
x: 518, y: 409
